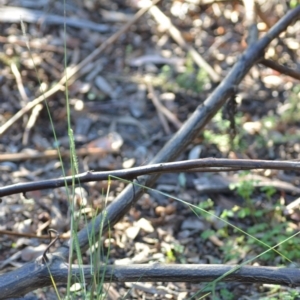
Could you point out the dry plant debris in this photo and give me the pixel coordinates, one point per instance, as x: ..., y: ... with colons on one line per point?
x: 127, y: 101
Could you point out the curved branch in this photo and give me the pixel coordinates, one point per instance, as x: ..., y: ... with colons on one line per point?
x: 280, y: 68
x: 195, y: 165
x: 35, y: 274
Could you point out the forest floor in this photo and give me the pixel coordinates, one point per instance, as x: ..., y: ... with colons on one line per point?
x: 125, y: 105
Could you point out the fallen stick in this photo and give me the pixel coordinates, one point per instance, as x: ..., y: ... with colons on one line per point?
x: 51, y: 154
x: 195, y: 165
x: 12, y: 14
x: 161, y: 108
x: 165, y: 22
x: 36, y: 274
x: 280, y: 68
x: 32, y: 44
x: 63, y: 236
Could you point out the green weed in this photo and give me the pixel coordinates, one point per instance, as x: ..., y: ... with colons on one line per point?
x: 191, y: 79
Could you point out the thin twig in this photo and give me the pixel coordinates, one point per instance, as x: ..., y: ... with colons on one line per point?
x: 156, y: 103
x: 19, y: 81
x: 32, y: 44
x: 13, y: 14
x: 31, y: 122
x: 161, y: 108
x: 196, y: 165
x: 165, y: 22
x: 51, y: 154
x: 29, y: 107
x: 52, y: 242
x: 262, y: 16
x: 63, y: 236
x: 280, y: 68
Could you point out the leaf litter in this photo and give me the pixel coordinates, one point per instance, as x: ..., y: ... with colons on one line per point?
x: 111, y: 110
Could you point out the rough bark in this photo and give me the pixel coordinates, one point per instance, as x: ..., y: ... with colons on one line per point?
x: 36, y: 275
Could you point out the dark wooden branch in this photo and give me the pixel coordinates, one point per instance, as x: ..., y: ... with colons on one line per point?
x: 35, y: 275
x: 280, y: 68
x: 196, y: 165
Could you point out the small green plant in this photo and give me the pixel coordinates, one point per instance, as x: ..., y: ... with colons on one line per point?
x: 225, y: 294
x: 245, y: 189
x: 174, y: 253
x: 270, y: 233
x: 207, y: 233
x: 269, y: 191
x: 277, y: 292
x: 219, y: 134
x: 294, y: 3
x: 190, y: 79
x: 205, y: 205
x: 221, y: 140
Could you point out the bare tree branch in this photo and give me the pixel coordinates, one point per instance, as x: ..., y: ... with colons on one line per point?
x: 195, y: 165
x: 280, y: 68
x: 18, y: 282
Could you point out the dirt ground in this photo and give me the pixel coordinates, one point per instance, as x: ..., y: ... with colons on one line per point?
x: 125, y: 105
